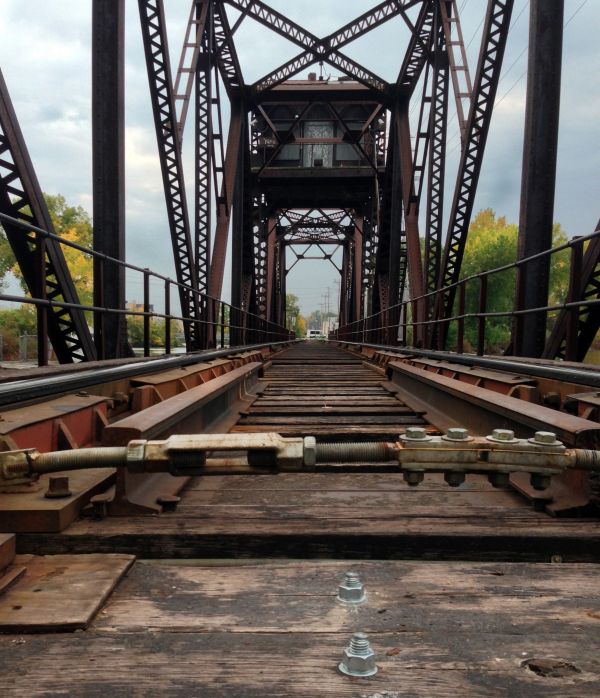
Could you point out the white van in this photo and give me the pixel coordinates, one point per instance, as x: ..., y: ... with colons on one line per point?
x: 314, y: 334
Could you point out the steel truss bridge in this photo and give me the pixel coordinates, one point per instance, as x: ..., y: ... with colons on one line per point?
x: 390, y: 445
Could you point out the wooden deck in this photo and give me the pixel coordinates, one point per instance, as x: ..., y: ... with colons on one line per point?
x: 275, y: 629
x: 470, y: 591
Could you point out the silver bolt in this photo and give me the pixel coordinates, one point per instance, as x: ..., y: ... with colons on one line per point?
x: 545, y: 438
x: 351, y: 590
x: 310, y: 451
x: 358, y: 658
x: 413, y: 477
x: 416, y: 434
x: 457, y: 434
x: 503, y: 435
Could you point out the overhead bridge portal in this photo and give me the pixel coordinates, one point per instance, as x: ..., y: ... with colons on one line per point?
x: 408, y: 506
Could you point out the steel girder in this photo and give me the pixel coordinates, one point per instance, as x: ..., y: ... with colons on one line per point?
x: 167, y: 135
x: 437, y: 164
x: 419, y: 51
x: 42, y: 264
x: 224, y: 201
x: 327, y: 48
x: 495, y: 32
x: 227, y: 59
x: 204, y: 144
x: 574, y: 330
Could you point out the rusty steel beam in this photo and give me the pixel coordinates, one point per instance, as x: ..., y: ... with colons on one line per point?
x: 457, y: 58
x: 495, y: 32
x: 158, y: 66
x: 204, y: 142
x: 108, y: 144
x: 369, y: 20
x: 418, y: 51
x: 539, y: 172
x: 43, y: 266
x: 584, y: 321
x: 193, y: 43
x: 227, y: 59
x: 438, y: 125
x: 225, y: 200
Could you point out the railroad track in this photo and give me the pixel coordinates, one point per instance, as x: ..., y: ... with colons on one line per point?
x: 319, y: 390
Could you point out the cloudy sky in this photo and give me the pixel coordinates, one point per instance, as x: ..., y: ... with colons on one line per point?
x: 45, y: 58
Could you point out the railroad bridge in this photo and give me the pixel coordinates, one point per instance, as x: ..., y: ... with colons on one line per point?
x: 389, y: 511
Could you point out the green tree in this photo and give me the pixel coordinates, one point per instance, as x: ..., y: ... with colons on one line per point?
x: 492, y: 243
x: 72, y: 223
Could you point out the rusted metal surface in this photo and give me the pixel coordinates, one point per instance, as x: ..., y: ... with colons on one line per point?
x: 207, y: 407
x: 448, y: 402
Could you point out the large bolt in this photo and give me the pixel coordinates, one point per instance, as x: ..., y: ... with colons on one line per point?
x: 310, y: 451
x: 502, y: 436
x: 358, y: 658
x: 351, y: 590
x: 457, y: 434
x: 454, y: 478
x: 58, y: 488
x: 545, y: 438
x: 415, y: 434
x: 413, y: 477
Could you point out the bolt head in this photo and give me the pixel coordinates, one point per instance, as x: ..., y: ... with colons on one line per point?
x: 351, y: 590
x: 457, y: 434
x: 545, y: 438
x: 358, y: 659
x: 503, y: 434
x: 454, y: 478
x: 416, y: 434
x: 310, y: 451
x: 413, y: 477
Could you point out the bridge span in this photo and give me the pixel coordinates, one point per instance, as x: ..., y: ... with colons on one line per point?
x: 408, y: 505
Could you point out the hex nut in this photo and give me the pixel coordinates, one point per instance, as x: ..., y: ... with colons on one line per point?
x: 351, y: 590
x: 310, y: 451
x: 415, y: 434
x: 454, y: 478
x: 457, y: 434
x: 358, y: 658
x: 502, y: 436
x: 413, y: 477
x: 545, y: 438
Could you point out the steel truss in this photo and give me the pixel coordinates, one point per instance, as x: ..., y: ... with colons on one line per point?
x: 495, y: 32
x: 152, y: 18
x: 41, y: 261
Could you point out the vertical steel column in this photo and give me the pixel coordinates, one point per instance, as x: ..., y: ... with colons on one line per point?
x: 357, y: 271
x: 108, y: 140
x: 539, y: 170
x: 411, y: 222
x: 271, y: 270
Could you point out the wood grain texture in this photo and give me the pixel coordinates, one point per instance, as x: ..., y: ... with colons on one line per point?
x: 267, y: 630
x: 60, y: 592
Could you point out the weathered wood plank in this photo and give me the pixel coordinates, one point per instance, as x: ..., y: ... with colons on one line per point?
x: 7, y: 549
x: 276, y: 630
x: 61, y: 592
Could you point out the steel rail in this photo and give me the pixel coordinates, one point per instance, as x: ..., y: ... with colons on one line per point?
x: 589, y: 377
x: 31, y: 389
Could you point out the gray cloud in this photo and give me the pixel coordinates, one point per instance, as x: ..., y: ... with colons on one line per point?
x: 45, y: 57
